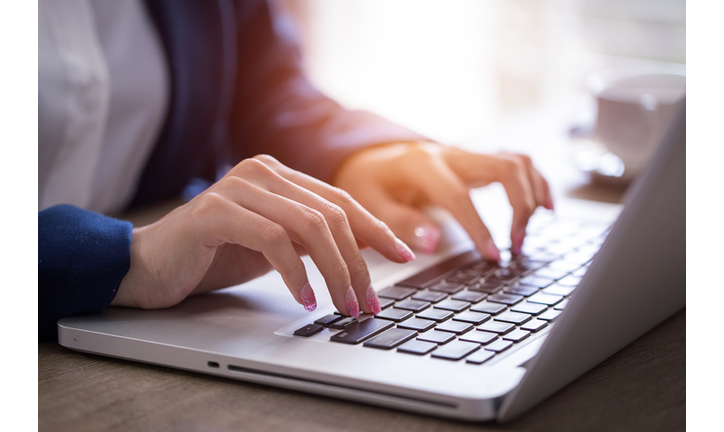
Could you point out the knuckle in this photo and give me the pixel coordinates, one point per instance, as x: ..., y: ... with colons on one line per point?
x: 252, y: 166
x: 336, y: 215
x: 207, y: 204
x: 232, y: 182
x: 210, y: 201
x: 458, y: 195
x: 340, y: 268
x: 358, y: 266
x: 274, y: 234
x: 313, y: 219
x: 343, y: 197
x: 267, y: 160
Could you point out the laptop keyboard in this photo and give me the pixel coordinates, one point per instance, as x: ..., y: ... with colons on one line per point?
x: 467, y: 308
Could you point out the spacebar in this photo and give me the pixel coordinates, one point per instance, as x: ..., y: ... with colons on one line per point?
x: 362, y: 331
x: 435, y: 273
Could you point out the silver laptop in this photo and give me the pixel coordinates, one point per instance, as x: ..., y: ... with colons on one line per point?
x: 458, y: 337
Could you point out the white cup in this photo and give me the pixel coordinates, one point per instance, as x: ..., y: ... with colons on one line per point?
x: 634, y: 108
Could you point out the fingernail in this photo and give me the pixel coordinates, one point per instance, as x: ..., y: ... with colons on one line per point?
x: 309, y: 301
x: 404, y: 250
x: 493, y: 252
x: 549, y: 203
x: 427, y: 237
x: 350, y: 300
x: 373, y: 301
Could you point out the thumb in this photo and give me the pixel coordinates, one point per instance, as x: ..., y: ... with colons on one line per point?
x: 412, y: 226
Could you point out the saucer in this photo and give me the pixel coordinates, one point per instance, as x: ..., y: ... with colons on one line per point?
x: 602, y: 166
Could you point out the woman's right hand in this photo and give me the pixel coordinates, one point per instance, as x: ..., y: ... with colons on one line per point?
x: 261, y: 215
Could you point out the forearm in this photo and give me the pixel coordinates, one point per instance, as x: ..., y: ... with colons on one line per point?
x: 278, y: 111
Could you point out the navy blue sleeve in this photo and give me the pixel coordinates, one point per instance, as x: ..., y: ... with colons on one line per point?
x: 82, y: 258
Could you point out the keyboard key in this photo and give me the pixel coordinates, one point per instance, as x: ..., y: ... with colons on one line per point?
x: 412, y: 305
x: 417, y: 347
x: 480, y: 337
x: 308, y: 330
x: 500, y: 280
x: 537, y: 282
x: 488, y: 288
x: 550, y: 315
x: 475, y: 318
x: 523, y: 290
x: 561, y: 305
x: 529, y: 308
x: 570, y: 281
x: 463, y: 277
x: 417, y: 324
x: 481, y: 267
x: 452, y: 305
x: 361, y: 331
x: 498, y: 327
x: 498, y: 346
x: 343, y: 323
x: 433, y: 274
x: 546, y: 299
x: 395, y: 315
x: 436, y: 337
x: 556, y: 289
x: 513, y: 317
x: 580, y: 272
x: 479, y: 357
x: 385, y: 302
x: 454, y: 327
x: 508, y: 299
x: 564, y: 266
x: 448, y: 287
x: 549, y: 273
x: 516, y: 335
x: 430, y: 296
x: 396, y: 292
x: 488, y: 308
x: 534, y: 325
x: 390, y: 338
x: 328, y: 319
x: 437, y: 315
x: 470, y: 296
x: 455, y: 350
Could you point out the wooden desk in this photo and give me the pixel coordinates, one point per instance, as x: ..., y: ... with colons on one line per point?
x: 641, y: 388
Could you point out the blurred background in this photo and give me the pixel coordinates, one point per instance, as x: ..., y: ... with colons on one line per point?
x: 454, y: 70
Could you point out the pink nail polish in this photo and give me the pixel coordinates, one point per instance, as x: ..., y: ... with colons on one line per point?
x: 549, y: 204
x: 373, y: 301
x: 404, y: 250
x: 350, y: 300
x: 309, y: 301
x: 427, y: 237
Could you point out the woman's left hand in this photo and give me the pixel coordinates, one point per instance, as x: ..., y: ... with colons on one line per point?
x: 395, y: 181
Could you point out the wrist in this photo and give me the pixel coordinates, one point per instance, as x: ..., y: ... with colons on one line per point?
x: 127, y: 294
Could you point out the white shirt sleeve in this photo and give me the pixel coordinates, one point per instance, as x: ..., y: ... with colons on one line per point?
x: 103, y: 90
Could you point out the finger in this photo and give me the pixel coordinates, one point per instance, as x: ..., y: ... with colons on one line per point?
x: 407, y: 222
x: 512, y: 173
x: 443, y: 187
x: 539, y: 184
x: 370, y: 230
x: 311, y: 228
x: 227, y: 222
x: 339, y: 226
